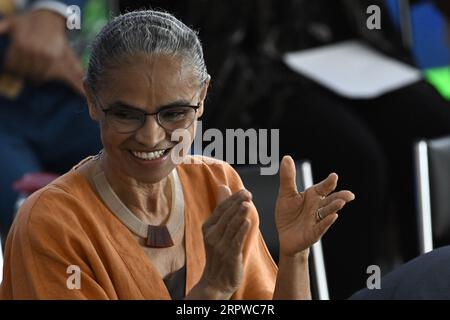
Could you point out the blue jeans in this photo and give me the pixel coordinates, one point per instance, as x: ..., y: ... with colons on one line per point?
x: 47, y: 128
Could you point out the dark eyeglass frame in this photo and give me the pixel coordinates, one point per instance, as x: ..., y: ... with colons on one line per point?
x: 146, y: 114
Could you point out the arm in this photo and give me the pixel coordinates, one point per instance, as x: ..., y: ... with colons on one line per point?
x: 252, y: 268
x: 293, y: 278
x: 224, y: 236
x: 247, y: 271
x: 302, y: 219
x: 46, y: 239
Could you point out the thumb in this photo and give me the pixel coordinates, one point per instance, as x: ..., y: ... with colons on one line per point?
x: 288, y: 186
x: 75, y: 81
x: 5, y: 25
x: 223, y: 193
x: 74, y: 78
x: 70, y: 71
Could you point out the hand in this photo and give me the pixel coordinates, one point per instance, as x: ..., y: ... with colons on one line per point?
x: 39, y: 50
x: 224, y: 235
x: 296, y: 213
x: 67, y: 69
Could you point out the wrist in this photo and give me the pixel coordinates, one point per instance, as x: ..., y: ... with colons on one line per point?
x: 203, y: 291
x: 299, y: 257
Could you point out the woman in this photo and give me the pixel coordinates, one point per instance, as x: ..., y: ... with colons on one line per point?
x: 132, y: 224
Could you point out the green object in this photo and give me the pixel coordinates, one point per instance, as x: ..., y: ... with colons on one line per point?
x: 440, y: 79
x: 95, y: 16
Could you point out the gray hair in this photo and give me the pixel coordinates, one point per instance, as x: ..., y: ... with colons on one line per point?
x: 150, y: 32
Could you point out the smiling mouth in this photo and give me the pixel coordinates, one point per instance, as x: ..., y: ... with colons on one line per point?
x: 150, y: 155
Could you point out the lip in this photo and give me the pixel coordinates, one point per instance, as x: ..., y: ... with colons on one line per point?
x: 153, y: 162
x: 146, y: 151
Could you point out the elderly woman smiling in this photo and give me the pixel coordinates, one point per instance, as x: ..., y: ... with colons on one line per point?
x: 131, y: 223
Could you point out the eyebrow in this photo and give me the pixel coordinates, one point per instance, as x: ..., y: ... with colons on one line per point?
x: 121, y: 104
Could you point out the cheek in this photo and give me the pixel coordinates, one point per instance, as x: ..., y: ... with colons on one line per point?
x: 191, y: 136
x: 112, y: 140
x: 193, y: 130
x: 186, y: 136
x: 182, y: 140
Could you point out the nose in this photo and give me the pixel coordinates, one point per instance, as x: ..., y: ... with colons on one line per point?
x: 151, y: 132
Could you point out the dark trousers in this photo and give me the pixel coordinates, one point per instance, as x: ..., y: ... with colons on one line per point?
x: 46, y: 128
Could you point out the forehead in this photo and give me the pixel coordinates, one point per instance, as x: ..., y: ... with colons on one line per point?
x: 149, y: 81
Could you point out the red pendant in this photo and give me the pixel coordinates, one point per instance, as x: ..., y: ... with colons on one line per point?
x: 158, y: 237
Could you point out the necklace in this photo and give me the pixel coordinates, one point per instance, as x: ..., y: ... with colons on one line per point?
x: 156, y: 236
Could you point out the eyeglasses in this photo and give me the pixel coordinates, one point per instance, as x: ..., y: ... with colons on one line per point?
x: 125, y: 119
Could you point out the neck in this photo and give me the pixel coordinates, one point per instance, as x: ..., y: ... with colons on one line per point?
x: 150, y: 202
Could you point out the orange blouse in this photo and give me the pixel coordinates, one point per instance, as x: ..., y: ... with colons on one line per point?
x: 66, y: 224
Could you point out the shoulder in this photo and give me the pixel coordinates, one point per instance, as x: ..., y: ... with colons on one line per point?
x: 201, y: 176
x: 201, y: 168
x: 57, y: 208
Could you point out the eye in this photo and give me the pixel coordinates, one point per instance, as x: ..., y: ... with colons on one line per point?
x: 122, y: 114
x: 175, y: 114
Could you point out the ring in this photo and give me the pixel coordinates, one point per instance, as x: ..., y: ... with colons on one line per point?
x: 318, y: 215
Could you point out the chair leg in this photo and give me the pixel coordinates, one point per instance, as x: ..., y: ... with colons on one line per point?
x: 423, y: 197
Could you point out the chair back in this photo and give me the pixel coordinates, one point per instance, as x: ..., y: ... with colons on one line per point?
x: 432, y: 159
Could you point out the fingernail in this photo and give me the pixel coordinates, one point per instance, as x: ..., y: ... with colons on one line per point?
x: 247, y: 193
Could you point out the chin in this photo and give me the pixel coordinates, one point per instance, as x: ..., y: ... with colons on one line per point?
x: 149, y: 173
x: 151, y: 178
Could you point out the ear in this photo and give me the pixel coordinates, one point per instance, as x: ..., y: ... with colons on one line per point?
x: 203, y: 95
x: 93, y: 110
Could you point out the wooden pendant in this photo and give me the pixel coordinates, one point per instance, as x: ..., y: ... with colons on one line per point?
x: 158, y: 237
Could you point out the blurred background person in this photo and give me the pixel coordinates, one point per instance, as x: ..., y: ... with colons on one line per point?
x: 44, y: 124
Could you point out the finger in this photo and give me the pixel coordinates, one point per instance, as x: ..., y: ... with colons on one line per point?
x: 69, y: 70
x: 345, y: 195
x: 325, y: 224
x: 288, y: 186
x: 35, y: 68
x: 237, y: 210
x: 75, y: 77
x: 11, y: 59
x: 225, y: 208
x: 237, y: 243
x: 325, y: 187
x: 234, y: 223
x: 75, y: 82
x: 333, y: 207
x: 223, y: 193
x: 17, y: 61
x: 5, y: 26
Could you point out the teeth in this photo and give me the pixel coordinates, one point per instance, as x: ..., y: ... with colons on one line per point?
x: 148, y: 155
